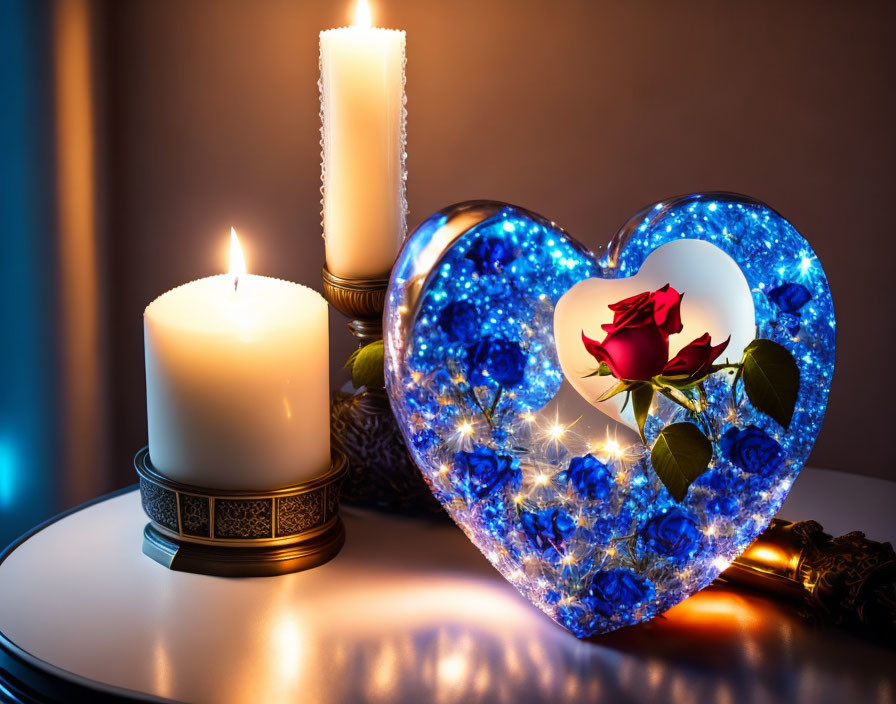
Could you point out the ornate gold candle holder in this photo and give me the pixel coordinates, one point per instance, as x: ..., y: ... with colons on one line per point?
x: 361, y: 300
x: 380, y: 472
x: 848, y: 581
x: 232, y: 533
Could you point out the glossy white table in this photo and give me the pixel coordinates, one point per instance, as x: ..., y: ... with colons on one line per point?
x: 408, y: 612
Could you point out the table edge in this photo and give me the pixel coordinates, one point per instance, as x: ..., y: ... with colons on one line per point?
x: 27, y: 679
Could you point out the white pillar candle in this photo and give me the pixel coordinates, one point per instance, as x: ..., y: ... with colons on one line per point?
x: 363, y: 137
x: 237, y: 381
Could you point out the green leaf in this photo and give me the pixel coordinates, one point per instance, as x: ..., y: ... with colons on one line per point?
x: 680, y: 382
x: 368, y: 366
x: 771, y: 379
x: 642, y: 397
x: 680, y: 454
x: 618, y: 389
x: 670, y: 379
x: 602, y: 370
x: 351, y: 359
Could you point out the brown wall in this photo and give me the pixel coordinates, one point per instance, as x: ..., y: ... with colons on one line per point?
x: 583, y: 111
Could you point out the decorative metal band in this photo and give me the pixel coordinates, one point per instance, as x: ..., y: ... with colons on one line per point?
x: 241, y: 518
x: 848, y: 581
x: 357, y: 298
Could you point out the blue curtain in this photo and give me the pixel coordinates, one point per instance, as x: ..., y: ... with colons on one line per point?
x: 29, y: 448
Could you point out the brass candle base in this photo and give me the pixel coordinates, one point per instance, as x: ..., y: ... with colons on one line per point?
x: 361, y: 300
x: 381, y: 473
x: 241, y: 533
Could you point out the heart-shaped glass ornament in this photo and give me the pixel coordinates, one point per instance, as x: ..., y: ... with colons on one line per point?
x: 610, y: 432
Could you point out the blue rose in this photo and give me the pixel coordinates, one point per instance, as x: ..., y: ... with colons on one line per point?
x: 724, y: 486
x: 723, y: 504
x: 422, y: 400
x: 716, y: 479
x: 590, y: 477
x: 502, y: 361
x: 483, y: 471
x: 491, y: 254
x: 789, y: 297
x: 603, y: 530
x: 500, y: 434
x: 617, y: 591
x: 548, y: 529
x: 460, y: 321
x: 791, y: 322
x: 425, y: 440
x: 492, y: 514
x: 674, y: 533
x: 752, y: 450
x: 552, y: 596
x: 576, y: 619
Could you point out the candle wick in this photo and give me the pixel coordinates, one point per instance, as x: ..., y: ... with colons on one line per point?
x: 236, y: 281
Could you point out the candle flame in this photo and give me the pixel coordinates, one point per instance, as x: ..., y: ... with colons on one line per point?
x: 237, y: 262
x: 362, y: 15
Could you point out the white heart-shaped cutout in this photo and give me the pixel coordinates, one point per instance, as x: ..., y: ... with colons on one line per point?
x: 716, y: 299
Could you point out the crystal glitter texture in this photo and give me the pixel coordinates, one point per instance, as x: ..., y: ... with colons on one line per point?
x: 562, y: 500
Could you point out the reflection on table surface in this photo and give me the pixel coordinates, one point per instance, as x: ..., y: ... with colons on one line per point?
x: 468, y: 637
x: 409, y: 611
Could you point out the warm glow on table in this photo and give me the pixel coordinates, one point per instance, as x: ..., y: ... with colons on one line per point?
x: 411, y: 612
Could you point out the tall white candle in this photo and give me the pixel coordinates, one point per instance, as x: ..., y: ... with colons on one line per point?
x: 237, y: 381
x: 363, y: 131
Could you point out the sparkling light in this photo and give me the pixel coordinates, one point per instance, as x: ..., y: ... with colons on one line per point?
x: 721, y: 564
x: 805, y: 265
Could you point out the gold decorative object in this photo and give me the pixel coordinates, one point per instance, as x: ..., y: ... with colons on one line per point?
x: 848, y: 581
x: 361, y: 300
x: 234, y: 533
x: 380, y: 472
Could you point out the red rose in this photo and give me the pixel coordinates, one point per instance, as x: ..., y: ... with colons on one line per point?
x: 695, y: 359
x: 662, y: 307
x: 632, y: 353
x: 636, y: 347
x: 667, y: 309
x: 631, y: 312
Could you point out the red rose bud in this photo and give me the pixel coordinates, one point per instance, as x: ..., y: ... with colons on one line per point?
x: 661, y: 308
x: 667, y: 309
x: 695, y: 360
x: 635, y: 301
x: 631, y: 312
x: 633, y: 353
